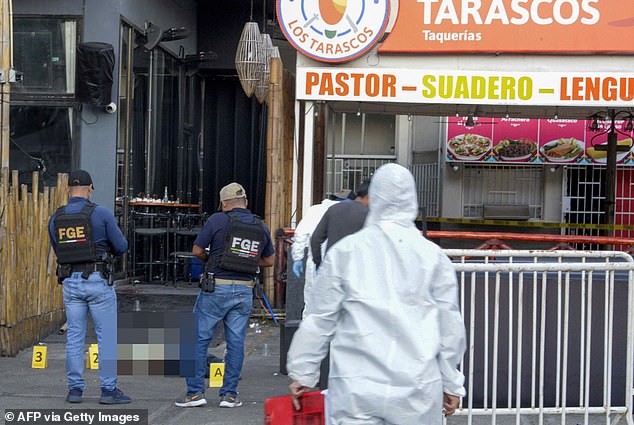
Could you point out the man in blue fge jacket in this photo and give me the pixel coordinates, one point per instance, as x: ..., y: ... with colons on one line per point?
x: 238, y: 244
x: 84, y: 237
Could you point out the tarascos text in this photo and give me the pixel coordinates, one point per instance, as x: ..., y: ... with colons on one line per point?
x: 514, y: 12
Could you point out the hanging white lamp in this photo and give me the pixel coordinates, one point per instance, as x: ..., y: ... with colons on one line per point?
x: 262, y: 86
x: 249, y: 57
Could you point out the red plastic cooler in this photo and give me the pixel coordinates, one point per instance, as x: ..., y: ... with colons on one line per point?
x: 280, y: 410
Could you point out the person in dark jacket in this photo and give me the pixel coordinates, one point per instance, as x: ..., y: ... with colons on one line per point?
x: 83, y: 236
x: 339, y: 221
x: 238, y: 244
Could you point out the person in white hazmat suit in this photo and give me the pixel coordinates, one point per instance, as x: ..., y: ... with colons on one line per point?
x: 301, y: 242
x: 386, y: 301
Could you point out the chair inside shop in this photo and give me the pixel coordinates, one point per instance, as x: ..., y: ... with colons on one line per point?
x: 184, y: 265
x: 150, y: 244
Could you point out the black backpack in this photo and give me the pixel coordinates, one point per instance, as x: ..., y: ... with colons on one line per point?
x: 243, y: 246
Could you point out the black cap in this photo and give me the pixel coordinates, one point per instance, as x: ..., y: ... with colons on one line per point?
x: 79, y: 178
x: 362, y: 190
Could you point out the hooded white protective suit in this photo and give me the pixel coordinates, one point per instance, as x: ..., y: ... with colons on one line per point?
x: 301, y: 240
x: 386, y: 299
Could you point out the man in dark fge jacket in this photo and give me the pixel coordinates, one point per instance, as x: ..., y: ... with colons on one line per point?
x: 239, y: 243
x: 83, y: 236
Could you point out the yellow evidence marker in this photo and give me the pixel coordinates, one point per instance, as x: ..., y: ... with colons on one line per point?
x: 216, y: 373
x: 39, y: 361
x: 93, y: 356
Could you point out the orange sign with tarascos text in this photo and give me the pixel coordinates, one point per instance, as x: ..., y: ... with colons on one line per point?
x: 513, y: 26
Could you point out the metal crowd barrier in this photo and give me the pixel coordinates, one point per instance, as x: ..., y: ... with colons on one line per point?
x: 550, y: 334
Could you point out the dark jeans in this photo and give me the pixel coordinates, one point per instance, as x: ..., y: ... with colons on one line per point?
x: 232, y: 304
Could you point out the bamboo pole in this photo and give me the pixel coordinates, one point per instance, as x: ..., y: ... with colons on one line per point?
x: 4, y: 193
x: 288, y: 145
x: 5, y: 91
x: 274, y: 165
x: 280, y: 152
x: 11, y: 255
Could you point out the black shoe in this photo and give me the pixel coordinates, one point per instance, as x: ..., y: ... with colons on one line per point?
x: 230, y: 401
x: 192, y: 400
x: 115, y: 396
x: 74, y: 395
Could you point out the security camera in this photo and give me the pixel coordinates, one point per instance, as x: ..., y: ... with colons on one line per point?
x: 111, y: 108
x: 15, y: 76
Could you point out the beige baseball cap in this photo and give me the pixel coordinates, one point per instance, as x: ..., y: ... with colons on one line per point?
x: 232, y: 191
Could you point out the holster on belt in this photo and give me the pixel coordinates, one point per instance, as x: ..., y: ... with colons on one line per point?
x: 63, y: 271
x: 207, y: 282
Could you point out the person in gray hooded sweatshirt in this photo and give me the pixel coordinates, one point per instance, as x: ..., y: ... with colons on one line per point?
x: 387, y: 304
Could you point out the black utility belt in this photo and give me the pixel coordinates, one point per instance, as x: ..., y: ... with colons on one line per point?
x: 88, y: 268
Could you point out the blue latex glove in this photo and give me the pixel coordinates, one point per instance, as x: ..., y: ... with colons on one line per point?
x: 298, y: 268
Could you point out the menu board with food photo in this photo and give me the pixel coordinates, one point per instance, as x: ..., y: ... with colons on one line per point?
x: 596, y: 144
x: 536, y: 141
x: 469, y: 143
x: 515, y: 140
x: 562, y: 141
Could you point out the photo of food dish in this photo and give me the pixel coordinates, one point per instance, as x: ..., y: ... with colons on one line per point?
x: 600, y: 155
x: 565, y: 149
x: 469, y: 147
x: 515, y: 149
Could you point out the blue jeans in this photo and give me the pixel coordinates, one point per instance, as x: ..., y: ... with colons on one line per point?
x: 232, y: 304
x: 95, y: 296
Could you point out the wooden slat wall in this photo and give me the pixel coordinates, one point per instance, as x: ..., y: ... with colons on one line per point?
x: 31, y: 304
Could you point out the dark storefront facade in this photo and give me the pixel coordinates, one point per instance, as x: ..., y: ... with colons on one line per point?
x: 182, y: 121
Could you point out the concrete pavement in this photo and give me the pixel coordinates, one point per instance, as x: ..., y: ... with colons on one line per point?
x: 22, y: 387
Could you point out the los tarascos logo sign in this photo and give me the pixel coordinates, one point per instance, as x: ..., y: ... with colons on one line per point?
x: 333, y: 30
